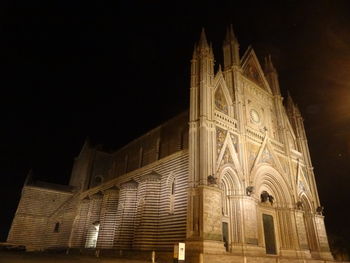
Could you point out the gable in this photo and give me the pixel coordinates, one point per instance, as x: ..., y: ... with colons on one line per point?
x: 220, y: 101
x: 267, y: 155
x: 222, y: 97
x: 253, y: 71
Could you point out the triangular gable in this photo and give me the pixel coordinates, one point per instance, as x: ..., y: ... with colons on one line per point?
x: 301, y: 181
x: 252, y: 69
x: 229, y: 148
x: 222, y: 97
x: 266, y: 154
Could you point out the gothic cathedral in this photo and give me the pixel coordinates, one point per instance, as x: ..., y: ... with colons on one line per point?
x: 232, y: 178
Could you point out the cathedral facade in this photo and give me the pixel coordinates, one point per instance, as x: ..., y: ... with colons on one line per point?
x: 232, y: 178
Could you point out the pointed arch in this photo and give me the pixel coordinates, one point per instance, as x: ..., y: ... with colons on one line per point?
x: 230, y: 185
x: 229, y: 180
x: 171, y: 188
x: 266, y: 178
x: 306, y: 201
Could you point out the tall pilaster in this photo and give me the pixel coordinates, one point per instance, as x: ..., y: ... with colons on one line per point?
x: 124, y: 232
x: 272, y: 76
x: 108, y: 218
x: 147, y: 211
x: 204, y: 210
x: 231, y: 60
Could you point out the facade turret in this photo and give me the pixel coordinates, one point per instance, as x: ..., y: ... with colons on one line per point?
x: 272, y: 76
x: 231, y: 49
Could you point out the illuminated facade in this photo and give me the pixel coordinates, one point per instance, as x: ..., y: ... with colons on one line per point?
x: 232, y: 178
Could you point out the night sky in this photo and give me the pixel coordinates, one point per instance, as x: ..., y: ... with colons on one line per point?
x: 112, y: 71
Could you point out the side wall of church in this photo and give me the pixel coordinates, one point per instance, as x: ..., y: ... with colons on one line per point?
x: 93, y: 166
x: 35, y: 218
x: 143, y: 209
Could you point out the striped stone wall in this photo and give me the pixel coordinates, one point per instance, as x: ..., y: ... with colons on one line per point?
x: 134, y: 209
x: 33, y: 217
x: 108, y: 219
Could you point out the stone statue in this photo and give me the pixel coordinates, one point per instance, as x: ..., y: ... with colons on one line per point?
x: 211, y: 180
x: 265, y: 196
x: 299, y: 205
x: 249, y: 190
x: 319, y: 210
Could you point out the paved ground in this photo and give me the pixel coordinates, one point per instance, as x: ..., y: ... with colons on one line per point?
x: 22, y: 257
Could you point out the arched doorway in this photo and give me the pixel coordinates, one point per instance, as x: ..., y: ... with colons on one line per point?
x: 231, y: 220
x: 92, y: 235
x: 275, y: 202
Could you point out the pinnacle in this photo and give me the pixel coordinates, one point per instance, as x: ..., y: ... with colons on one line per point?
x: 269, y: 65
x: 230, y: 35
x: 203, y: 43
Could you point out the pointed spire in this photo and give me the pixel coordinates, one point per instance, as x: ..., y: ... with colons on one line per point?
x: 29, y: 177
x: 203, y: 43
x: 290, y: 102
x: 194, y: 55
x: 269, y: 67
x: 230, y: 35
x: 211, y: 53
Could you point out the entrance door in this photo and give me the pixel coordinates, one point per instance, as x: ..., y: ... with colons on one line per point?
x: 225, y: 234
x: 269, y: 233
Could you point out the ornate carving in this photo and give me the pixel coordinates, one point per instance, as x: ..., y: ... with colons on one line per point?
x: 234, y: 141
x: 220, y: 138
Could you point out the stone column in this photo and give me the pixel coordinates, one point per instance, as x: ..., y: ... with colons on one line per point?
x: 108, y: 218
x: 124, y: 231
x: 147, y: 212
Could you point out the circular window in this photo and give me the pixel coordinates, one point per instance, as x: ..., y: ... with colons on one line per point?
x: 254, y: 115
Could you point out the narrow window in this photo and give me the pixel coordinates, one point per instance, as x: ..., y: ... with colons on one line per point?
x: 173, y: 188
x: 57, y: 227
x: 172, y: 197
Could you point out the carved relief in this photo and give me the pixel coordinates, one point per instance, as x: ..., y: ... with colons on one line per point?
x: 220, y: 138
x: 302, y: 187
x: 234, y: 141
x: 220, y: 101
x: 253, y: 152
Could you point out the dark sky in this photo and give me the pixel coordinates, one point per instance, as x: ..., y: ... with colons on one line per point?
x: 112, y: 71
